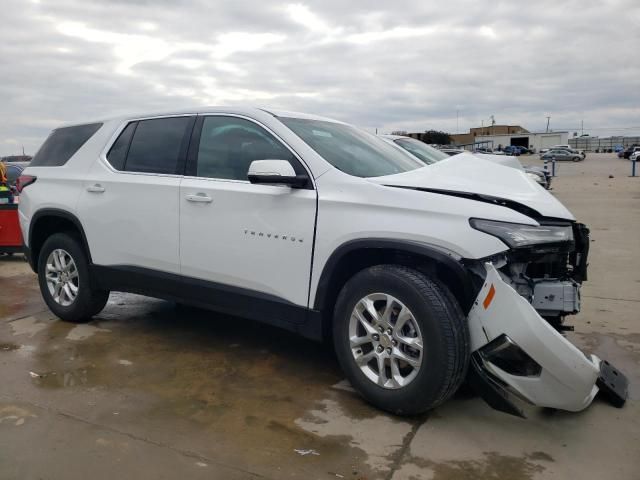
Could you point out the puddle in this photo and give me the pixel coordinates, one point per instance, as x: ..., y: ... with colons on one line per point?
x: 491, y: 465
x: 62, y: 379
x: 27, y: 326
x: 7, y: 347
x: 84, y: 331
x: 380, y: 436
x: 14, y: 415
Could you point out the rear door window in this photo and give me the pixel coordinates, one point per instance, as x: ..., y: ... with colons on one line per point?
x: 158, y: 144
x: 62, y: 144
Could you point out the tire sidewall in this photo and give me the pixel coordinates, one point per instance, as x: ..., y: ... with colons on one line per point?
x: 77, y: 310
x: 428, y: 384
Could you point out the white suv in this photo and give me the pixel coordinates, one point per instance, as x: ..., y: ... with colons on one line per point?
x: 416, y: 272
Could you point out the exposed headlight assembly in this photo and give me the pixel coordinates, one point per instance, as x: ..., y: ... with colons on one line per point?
x: 517, y: 235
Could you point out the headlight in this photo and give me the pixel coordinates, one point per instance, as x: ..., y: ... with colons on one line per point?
x: 517, y: 235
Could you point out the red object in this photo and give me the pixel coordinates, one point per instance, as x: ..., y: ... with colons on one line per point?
x: 10, y: 234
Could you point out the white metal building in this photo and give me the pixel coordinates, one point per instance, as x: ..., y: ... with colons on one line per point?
x: 529, y: 140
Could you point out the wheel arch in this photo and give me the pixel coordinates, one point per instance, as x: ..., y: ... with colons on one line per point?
x: 356, y: 255
x: 48, y: 221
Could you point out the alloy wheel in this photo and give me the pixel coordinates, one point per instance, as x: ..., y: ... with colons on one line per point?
x: 62, y: 277
x: 385, y: 340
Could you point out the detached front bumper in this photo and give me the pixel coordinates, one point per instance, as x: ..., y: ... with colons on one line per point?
x: 516, y: 354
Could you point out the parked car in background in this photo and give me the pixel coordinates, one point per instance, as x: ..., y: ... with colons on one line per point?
x: 511, y: 150
x: 635, y: 155
x: 572, y: 150
x: 451, y: 150
x: 417, y: 149
x: 430, y: 155
x: 630, y: 151
x: 562, y: 155
x: 555, y: 147
x: 565, y: 147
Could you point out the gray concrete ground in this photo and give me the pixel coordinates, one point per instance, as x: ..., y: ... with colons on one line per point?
x: 150, y: 390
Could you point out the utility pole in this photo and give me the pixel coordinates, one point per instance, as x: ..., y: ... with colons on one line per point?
x: 548, y: 118
x: 457, y: 119
x: 581, y: 127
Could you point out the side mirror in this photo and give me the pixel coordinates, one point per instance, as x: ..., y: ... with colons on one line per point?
x: 275, y: 172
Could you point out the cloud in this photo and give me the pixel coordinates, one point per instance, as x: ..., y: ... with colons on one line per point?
x: 405, y: 65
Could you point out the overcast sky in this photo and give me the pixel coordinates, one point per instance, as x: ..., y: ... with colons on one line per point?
x: 393, y: 65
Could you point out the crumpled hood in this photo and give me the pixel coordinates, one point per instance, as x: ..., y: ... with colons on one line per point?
x: 468, y: 174
x: 505, y: 160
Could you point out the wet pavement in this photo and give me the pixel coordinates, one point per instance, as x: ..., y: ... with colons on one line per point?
x: 153, y: 390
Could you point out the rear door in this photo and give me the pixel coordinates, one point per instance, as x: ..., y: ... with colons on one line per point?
x: 129, y: 204
x: 257, y: 239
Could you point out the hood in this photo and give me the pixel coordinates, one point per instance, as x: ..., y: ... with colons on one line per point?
x: 467, y: 175
x: 504, y: 160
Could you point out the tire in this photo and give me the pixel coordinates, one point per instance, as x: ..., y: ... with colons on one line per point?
x: 88, y: 301
x: 440, y: 323
x: 577, y: 159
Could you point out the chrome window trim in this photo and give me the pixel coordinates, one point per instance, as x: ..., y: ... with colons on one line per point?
x: 120, y: 129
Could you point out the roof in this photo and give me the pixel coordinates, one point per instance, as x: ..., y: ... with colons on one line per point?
x: 249, y: 111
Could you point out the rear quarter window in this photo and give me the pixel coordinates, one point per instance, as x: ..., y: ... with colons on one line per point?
x: 118, y: 153
x: 62, y: 144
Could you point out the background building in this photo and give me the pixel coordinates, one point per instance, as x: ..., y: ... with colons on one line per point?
x: 494, y: 136
x: 490, y: 130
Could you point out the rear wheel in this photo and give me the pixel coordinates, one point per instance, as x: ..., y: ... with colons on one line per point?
x: 401, y: 339
x: 65, y: 284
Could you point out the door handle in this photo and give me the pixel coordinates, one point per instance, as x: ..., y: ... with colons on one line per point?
x: 97, y: 188
x: 199, y: 197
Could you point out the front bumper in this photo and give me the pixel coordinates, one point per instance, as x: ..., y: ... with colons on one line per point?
x: 519, y: 355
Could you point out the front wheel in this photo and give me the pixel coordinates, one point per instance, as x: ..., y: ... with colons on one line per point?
x: 401, y: 339
x: 63, y: 275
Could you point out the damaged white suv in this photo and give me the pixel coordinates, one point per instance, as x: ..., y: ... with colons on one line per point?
x: 419, y: 274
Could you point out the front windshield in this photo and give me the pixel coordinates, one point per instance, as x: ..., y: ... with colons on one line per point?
x: 350, y: 149
x: 424, y: 152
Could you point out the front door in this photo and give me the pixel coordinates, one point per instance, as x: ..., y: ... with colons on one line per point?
x: 253, y: 240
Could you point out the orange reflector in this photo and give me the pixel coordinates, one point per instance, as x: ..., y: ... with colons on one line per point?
x: 489, y: 298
